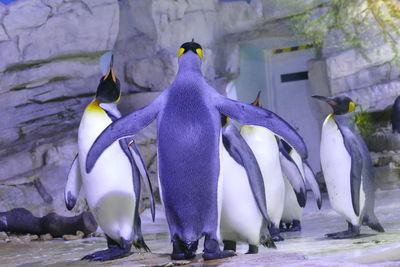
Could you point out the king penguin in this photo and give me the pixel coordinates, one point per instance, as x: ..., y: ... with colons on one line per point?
x: 347, y: 168
x: 112, y: 189
x: 296, y: 174
x: 189, y: 149
x: 265, y: 148
x: 242, y: 218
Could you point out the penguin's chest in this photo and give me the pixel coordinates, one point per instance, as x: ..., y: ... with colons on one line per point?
x: 112, y: 173
x: 336, y: 166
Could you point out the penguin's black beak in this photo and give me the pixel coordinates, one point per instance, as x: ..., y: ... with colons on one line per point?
x: 328, y: 100
x: 257, y: 101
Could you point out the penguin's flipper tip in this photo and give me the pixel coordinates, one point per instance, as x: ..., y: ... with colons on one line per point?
x: 267, y: 242
x: 70, y: 200
x: 301, y: 198
x: 319, y: 203
x: 140, y: 244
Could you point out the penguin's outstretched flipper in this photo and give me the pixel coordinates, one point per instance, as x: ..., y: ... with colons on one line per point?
x: 74, y: 184
x: 293, y: 174
x: 252, y: 115
x: 126, y: 146
x: 133, y: 154
x: 123, y: 127
x: 351, y: 144
x: 240, y: 151
x: 145, y: 175
x: 312, y: 181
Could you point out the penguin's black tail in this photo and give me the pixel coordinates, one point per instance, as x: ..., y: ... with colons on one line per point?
x: 372, y: 221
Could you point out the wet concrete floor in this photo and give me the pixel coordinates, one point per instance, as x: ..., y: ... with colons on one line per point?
x: 305, y: 248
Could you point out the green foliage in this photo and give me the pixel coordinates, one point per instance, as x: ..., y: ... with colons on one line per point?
x: 364, y: 123
x: 356, y: 23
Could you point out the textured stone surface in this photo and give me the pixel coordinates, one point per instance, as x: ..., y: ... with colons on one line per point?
x: 376, y: 97
x: 49, y: 71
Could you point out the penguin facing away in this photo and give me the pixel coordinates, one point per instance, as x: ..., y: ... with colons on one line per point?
x: 296, y: 173
x: 395, y: 116
x: 265, y: 148
x: 242, y: 218
x: 347, y: 168
x: 112, y: 189
x: 189, y: 139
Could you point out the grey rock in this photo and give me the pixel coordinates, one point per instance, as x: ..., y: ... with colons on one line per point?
x: 3, y: 236
x: 34, y: 13
x: 163, y: 67
x: 352, y: 61
x: 80, y: 34
x: 46, y: 237
x: 375, y: 97
x: 9, y: 54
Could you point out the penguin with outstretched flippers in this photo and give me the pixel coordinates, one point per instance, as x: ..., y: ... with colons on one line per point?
x: 347, y: 168
x: 188, y: 145
x: 244, y: 212
x: 296, y: 173
x: 112, y: 189
x: 395, y: 116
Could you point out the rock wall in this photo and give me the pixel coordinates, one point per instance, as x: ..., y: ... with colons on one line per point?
x: 370, y: 78
x: 49, y: 54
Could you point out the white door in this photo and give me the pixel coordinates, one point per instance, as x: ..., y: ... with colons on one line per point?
x: 289, y: 94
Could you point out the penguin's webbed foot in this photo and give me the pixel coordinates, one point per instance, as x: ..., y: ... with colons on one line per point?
x: 253, y: 249
x: 182, y: 251
x: 352, y: 231
x: 229, y: 245
x: 108, y: 254
x: 212, y: 250
x: 296, y: 226
x: 275, y: 233
x: 218, y: 255
x: 283, y: 227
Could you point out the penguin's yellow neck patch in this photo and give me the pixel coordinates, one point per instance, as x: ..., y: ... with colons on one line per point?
x: 330, y: 116
x: 352, y: 106
x: 94, y: 107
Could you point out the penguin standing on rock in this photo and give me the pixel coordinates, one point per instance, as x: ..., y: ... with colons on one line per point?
x: 112, y: 189
x: 189, y: 149
x: 244, y: 216
x: 347, y: 168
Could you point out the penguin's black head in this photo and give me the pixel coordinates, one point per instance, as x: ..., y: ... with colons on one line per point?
x: 257, y: 102
x: 340, y: 105
x: 109, y: 90
x: 191, y: 46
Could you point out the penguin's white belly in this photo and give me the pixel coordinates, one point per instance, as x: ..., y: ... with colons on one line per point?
x: 336, y: 166
x: 240, y: 217
x: 292, y: 210
x: 109, y: 186
x: 265, y: 148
